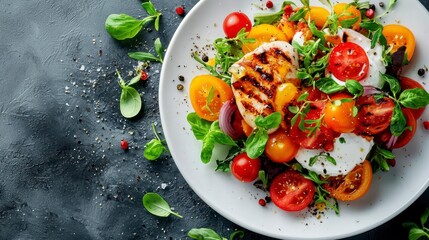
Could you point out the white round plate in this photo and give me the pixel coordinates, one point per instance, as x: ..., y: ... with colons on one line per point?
x: 390, y: 193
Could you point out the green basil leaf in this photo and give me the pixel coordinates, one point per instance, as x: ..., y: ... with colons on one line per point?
x: 424, y: 217
x: 255, y: 143
x: 222, y: 138
x: 153, y: 149
x: 348, y: 23
x: 130, y: 102
x: 376, y: 37
x: 144, y: 56
x: 372, y: 26
x: 303, y: 97
x: 238, y: 234
x: 150, y: 8
x: 398, y: 124
x: 207, y: 149
x: 293, y: 109
x: 157, y: 22
x: 298, y: 15
x: 328, y: 85
x: 409, y: 225
x: 327, y: 157
x: 158, y: 48
x: 272, y: 17
x: 199, y: 126
x: 394, y: 86
x: 354, y: 87
x: 204, y: 234
x: 414, y: 98
x: 416, y: 233
x: 157, y: 206
x: 271, y: 121
x: 385, y: 153
x: 135, y: 79
x: 123, y: 26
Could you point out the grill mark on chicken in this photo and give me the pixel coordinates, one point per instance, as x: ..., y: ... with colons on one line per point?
x: 262, y: 57
x: 281, y: 53
x: 255, y: 83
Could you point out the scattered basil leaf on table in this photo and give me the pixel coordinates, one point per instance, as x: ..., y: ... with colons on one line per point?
x: 123, y: 26
x: 210, y: 234
x: 155, y: 147
x: 157, y: 206
x: 145, y: 56
x: 416, y: 231
x: 130, y: 102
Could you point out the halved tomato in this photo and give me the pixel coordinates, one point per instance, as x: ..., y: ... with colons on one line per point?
x: 353, y: 186
x: 290, y: 191
x: 374, y: 114
x: 208, y: 94
x: 398, y: 36
x: 408, y: 134
x: 263, y: 33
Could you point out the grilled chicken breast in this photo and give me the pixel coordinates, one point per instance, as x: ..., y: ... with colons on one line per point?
x: 256, y: 77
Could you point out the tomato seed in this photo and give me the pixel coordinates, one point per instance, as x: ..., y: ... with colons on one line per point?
x: 180, y: 11
x: 370, y: 13
x: 144, y: 76
x: 269, y: 4
x: 426, y: 125
x: 262, y: 202
x: 124, y: 144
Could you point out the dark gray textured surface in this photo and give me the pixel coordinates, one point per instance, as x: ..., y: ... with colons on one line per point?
x: 62, y: 172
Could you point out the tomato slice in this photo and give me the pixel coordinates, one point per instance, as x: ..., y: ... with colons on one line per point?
x: 408, y: 83
x: 208, y: 94
x: 353, y: 186
x: 398, y: 36
x: 374, y: 115
x: 290, y: 191
x: 408, y: 134
x: 348, y: 61
x: 263, y: 33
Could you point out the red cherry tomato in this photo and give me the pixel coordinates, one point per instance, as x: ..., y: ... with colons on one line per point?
x: 290, y: 191
x: 408, y: 134
x: 408, y: 83
x: 244, y: 168
x: 234, y: 22
x: 348, y: 61
x: 374, y: 115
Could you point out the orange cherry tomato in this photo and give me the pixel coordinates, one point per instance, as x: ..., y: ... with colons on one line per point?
x: 347, y: 11
x: 398, y: 36
x: 247, y: 129
x: 317, y: 14
x: 263, y: 33
x: 408, y: 134
x: 280, y: 147
x: 353, y: 186
x: 208, y: 94
x: 339, y: 113
x: 408, y: 83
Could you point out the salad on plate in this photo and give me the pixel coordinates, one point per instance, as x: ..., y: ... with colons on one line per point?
x: 310, y: 100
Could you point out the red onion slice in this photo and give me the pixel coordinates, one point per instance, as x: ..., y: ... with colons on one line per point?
x: 392, y: 141
x: 227, y: 116
x: 370, y: 90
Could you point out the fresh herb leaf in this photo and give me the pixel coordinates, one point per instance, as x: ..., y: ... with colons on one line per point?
x: 264, y: 178
x: 209, y: 99
x: 348, y: 23
x: 135, y: 79
x: 342, y: 140
x: 130, y: 102
x: 204, y: 234
x: 155, y: 147
x: 238, y: 234
x: 209, y: 133
x: 271, y: 121
x: 145, y: 56
x: 298, y: 14
x: 320, y: 156
x: 354, y: 87
x: 392, y: 82
x: 379, y: 158
x: 224, y: 165
x: 328, y: 85
x: 255, y: 143
x: 417, y: 232
x: 157, y: 206
x: 321, y: 195
x: 303, y: 97
x: 271, y: 18
x: 414, y: 98
x: 398, y: 123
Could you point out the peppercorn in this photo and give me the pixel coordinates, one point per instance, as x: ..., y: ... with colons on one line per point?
x: 262, y: 202
x: 205, y: 58
x: 124, y: 144
x: 381, y: 4
x: 180, y: 11
x: 369, y: 13
x: 269, y: 4
x: 180, y: 87
x: 426, y: 125
x: 144, y: 76
x: 421, y: 72
x: 181, y: 78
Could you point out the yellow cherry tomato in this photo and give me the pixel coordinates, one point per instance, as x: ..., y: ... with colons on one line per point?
x: 398, y: 36
x: 263, y: 33
x: 346, y: 11
x: 317, y: 14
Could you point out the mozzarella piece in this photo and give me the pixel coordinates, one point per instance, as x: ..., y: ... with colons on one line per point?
x: 376, y: 65
x: 347, y: 154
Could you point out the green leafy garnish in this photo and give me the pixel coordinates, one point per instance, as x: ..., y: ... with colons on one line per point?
x: 321, y: 195
x: 264, y: 178
x: 255, y: 143
x: 379, y: 158
x: 417, y: 232
x: 271, y: 18
x: 130, y: 102
x: 155, y: 147
x: 320, y: 156
x: 123, y: 26
x: 157, y: 206
x: 145, y: 56
x: 210, y: 234
x: 209, y: 133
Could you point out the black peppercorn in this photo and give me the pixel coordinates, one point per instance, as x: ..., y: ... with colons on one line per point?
x: 205, y: 58
x: 181, y: 78
x: 180, y: 87
x: 421, y: 72
x: 381, y: 4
